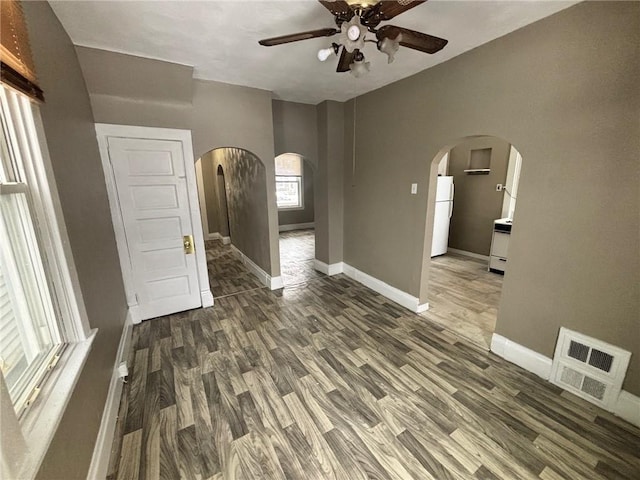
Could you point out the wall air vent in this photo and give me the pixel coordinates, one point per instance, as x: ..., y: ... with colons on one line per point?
x: 590, y: 368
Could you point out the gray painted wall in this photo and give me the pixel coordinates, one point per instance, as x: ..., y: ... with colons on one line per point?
x: 564, y: 92
x: 212, y: 202
x: 329, y: 182
x: 295, y: 130
x: 476, y: 203
x: 223, y: 208
x: 218, y: 115
x: 68, y: 124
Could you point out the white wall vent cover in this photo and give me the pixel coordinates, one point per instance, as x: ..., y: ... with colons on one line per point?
x: 590, y: 368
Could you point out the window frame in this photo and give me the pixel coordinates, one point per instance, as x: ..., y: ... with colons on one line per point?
x: 291, y: 179
x: 299, y: 179
x: 28, y: 434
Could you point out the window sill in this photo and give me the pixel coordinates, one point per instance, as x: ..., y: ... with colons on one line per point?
x: 41, y: 421
x: 290, y: 209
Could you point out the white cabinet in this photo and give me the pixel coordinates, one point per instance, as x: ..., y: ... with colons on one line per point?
x: 499, y: 246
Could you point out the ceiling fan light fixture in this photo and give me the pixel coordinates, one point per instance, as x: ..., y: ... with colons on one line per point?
x: 352, y: 34
x: 349, y: 16
x: 359, y: 68
x: 324, y: 53
x: 390, y: 46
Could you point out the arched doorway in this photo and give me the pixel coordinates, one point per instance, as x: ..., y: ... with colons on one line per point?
x: 236, y: 217
x: 295, y: 192
x: 473, y: 210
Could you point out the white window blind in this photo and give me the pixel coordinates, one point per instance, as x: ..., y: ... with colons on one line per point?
x: 289, y: 185
x: 13, y: 354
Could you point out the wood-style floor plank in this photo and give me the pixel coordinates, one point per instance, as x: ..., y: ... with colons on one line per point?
x: 329, y: 380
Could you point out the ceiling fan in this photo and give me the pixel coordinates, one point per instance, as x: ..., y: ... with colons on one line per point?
x: 355, y: 18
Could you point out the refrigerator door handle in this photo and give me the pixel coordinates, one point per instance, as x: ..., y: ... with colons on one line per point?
x: 453, y: 188
x: 450, y: 208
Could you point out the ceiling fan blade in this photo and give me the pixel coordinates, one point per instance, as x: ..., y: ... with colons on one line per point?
x: 346, y: 59
x: 412, y: 39
x: 339, y: 8
x: 389, y: 9
x: 296, y: 37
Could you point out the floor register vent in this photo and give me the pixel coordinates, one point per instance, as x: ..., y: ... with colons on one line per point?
x: 590, y: 368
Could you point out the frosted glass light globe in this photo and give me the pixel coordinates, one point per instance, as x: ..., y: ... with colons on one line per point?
x: 324, y: 53
x: 353, y: 33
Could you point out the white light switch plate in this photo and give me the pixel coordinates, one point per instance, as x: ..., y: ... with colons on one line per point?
x: 414, y: 188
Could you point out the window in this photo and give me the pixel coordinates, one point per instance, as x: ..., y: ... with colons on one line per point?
x: 30, y: 337
x: 41, y: 321
x: 289, y: 184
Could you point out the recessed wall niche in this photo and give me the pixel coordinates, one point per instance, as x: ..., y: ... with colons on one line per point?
x: 479, y: 161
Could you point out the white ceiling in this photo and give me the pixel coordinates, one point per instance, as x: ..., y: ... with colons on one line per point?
x: 220, y: 38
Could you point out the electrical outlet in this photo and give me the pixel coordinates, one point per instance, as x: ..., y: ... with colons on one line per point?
x: 499, y: 187
x: 414, y: 189
x: 123, y: 371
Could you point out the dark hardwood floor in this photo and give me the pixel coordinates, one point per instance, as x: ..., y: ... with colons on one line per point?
x: 329, y: 380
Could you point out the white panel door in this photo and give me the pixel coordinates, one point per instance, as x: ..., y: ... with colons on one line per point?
x: 152, y: 193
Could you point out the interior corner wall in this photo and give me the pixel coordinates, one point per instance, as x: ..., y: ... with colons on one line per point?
x: 563, y: 91
x: 73, y: 148
x: 476, y: 203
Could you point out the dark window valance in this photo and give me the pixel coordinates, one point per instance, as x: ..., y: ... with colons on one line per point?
x: 17, y: 67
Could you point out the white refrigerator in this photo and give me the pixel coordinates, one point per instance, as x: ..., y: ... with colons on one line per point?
x: 444, y: 210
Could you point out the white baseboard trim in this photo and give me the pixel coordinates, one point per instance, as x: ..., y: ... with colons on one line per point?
x: 276, y: 283
x: 468, y: 254
x: 423, y: 307
x: 627, y: 407
x: 521, y: 356
x: 392, y: 293
x: 296, y: 226
x: 333, y: 269
x: 267, y: 280
x: 134, y: 314
x: 217, y: 236
x: 102, y: 450
x: 206, y: 297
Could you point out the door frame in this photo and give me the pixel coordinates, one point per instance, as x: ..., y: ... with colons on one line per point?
x: 103, y: 132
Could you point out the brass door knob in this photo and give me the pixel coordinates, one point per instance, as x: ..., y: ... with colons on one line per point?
x: 187, y: 243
